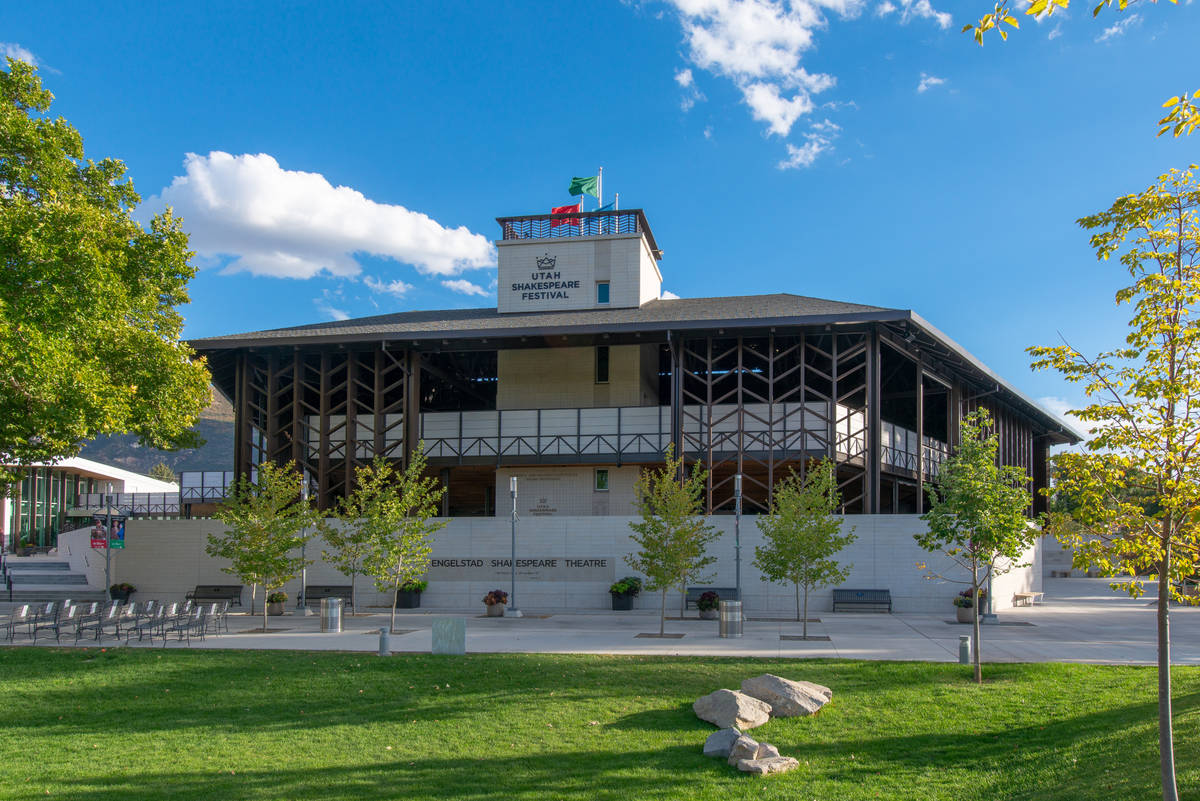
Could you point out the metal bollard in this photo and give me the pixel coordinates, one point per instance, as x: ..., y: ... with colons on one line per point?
x: 331, y: 615
x: 385, y: 642
x: 730, y: 617
x: 964, y: 649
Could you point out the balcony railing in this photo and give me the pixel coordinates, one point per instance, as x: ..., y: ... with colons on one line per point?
x: 134, y: 504
x: 584, y: 223
x: 205, y: 486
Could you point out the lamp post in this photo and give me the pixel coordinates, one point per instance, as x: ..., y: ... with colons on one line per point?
x: 512, y: 490
x: 737, y: 530
x: 108, y: 541
x: 302, y: 601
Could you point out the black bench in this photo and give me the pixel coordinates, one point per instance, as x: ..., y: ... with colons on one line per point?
x: 694, y: 593
x: 216, y: 592
x: 315, y: 592
x: 874, y: 598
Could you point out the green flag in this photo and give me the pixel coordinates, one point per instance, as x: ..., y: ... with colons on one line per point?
x: 585, y: 186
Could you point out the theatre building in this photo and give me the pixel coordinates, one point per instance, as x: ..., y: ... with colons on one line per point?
x: 582, y: 376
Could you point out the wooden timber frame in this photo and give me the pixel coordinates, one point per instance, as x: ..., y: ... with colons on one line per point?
x: 329, y: 411
x: 810, y: 392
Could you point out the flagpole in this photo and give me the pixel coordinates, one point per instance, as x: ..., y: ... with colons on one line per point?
x: 617, y: 202
x: 600, y: 186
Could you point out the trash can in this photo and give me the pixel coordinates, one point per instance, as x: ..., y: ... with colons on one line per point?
x: 730, y: 617
x: 331, y: 615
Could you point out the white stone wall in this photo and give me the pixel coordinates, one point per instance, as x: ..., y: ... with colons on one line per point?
x: 166, y: 558
x: 623, y: 260
x: 566, y: 491
x: 565, y: 378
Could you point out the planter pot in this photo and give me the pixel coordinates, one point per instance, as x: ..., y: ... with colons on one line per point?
x: 495, y: 610
x: 964, y: 614
x: 123, y: 597
x: 708, y: 614
x: 275, y: 609
x: 622, y: 603
x: 408, y: 600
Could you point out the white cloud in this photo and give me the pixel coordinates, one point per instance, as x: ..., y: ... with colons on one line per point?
x: 1119, y: 28
x: 708, y: 132
x: 464, y: 287
x: 691, y: 93
x: 292, y: 224
x: 818, y: 140
x: 923, y: 9
x: 1054, y: 34
x: 15, y: 51
x: 928, y: 81
x: 758, y: 46
x: 397, y: 287
x: 668, y: 295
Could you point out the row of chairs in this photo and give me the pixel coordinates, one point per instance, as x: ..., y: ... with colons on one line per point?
x: 185, y: 620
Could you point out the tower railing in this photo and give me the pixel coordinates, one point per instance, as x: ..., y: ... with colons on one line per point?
x: 582, y: 223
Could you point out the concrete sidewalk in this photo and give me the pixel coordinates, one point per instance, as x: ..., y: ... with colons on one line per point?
x: 1082, y: 620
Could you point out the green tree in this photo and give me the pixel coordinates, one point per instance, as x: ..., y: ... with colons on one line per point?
x: 266, y: 523
x: 1183, y: 115
x: 977, y: 513
x: 671, y: 535
x: 1145, y: 407
x: 163, y: 472
x: 802, y: 535
x: 395, y: 510
x: 89, y: 330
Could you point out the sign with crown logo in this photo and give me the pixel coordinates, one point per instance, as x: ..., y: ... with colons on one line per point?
x: 545, y: 283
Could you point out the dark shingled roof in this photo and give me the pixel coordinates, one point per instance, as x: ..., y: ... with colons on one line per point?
x: 676, y: 313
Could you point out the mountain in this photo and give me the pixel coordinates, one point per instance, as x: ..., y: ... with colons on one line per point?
x: 215, y: 426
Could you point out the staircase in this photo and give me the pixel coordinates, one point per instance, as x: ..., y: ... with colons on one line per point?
x: 41, y: 579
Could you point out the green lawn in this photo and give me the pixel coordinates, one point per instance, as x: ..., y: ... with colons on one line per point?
x: 145, y: 724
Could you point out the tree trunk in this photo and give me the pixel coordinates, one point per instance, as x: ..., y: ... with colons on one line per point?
x: 797, y: 584
x: 392, y: 623
x: 265, y: 605
x: 253, y: 591
x: 805, y: 625
x: 353, y: 593
x: 662, y: 618
x: 975, y: 622
x: 1166, y: 735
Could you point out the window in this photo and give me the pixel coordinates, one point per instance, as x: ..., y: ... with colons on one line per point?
x: 601, y: 481
x: 602, y: 292
x: 602, y: 364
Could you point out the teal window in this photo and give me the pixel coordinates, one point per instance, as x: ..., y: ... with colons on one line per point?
x: 601, y: 481
x: 602, y: 292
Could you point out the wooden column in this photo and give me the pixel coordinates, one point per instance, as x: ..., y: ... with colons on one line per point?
x: 323, y: 422
x: 920, y: 435
x: 874, y: 425
x: 241, y: 452
x: 412, y: 404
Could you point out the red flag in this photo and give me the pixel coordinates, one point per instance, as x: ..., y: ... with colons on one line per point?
x: 565, y: 210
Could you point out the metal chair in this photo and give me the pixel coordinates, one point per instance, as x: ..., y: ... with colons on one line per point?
x: 44, y: 619
x: 19, y: 617
x: 147, y: 624
x: 187, y: 625
x: 109, y: 618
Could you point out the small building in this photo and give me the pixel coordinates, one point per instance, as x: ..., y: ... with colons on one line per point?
x: 42, y: 501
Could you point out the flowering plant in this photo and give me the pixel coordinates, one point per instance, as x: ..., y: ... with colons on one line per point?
x: 496, y: 597
x: 965, y: 599
x: 630, y: 585
x: 708, y: 601
x: 124, y: 586
x: 277, y: 597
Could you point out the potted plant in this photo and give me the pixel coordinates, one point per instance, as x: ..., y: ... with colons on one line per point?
x: 122, y: 591
x: 496, y: 600
x: 623, y: 592
x: 28, y: 548
x: 275, y: 602
x: 409, y: 594
x: 964, y: 602
x: 707, y: 603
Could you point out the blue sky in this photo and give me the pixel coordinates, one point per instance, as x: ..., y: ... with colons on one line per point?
x: 861, y: 150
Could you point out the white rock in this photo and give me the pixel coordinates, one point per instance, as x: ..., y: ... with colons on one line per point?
x: 766, y: 751
x: 731, y: 709
x: 743, y: 748
x: 718, y: 743
x: 761, y: 767
x: 787, y: 698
